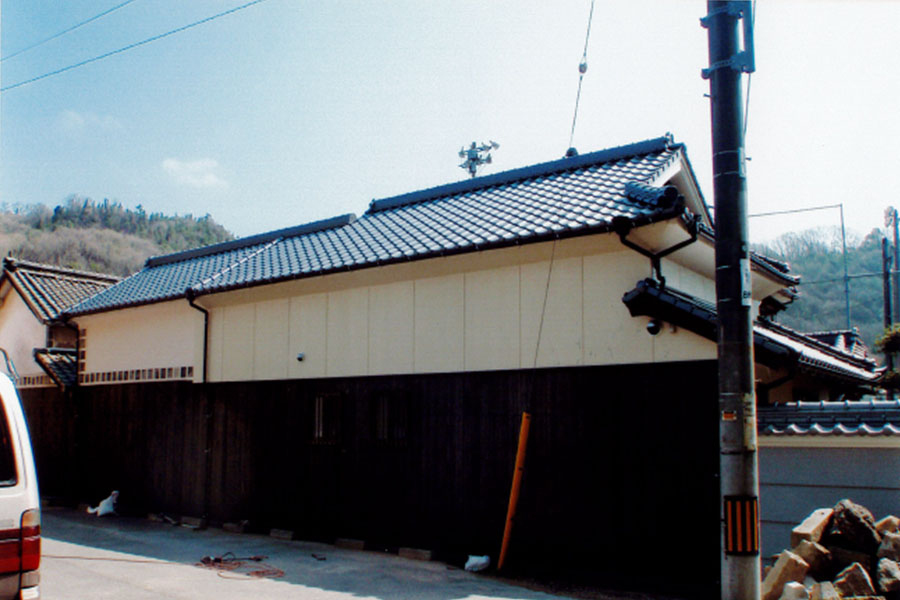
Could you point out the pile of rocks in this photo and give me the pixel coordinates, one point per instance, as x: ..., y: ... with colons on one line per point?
x: 838, y: 553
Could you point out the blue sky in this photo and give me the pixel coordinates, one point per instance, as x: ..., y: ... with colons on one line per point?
x: 291, y: 111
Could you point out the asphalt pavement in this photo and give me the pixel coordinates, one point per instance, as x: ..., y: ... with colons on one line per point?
x: 121, y: 557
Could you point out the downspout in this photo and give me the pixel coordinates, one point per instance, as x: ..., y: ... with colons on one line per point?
x: 623, y: 226
x: 190, y: 294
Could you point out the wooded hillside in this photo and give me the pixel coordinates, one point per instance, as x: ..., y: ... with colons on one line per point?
x: 816, y: 255
x: 100, y: 236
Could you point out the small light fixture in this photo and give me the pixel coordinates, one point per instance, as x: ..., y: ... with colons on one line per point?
x: 654, y: 326
x: 300, y: 357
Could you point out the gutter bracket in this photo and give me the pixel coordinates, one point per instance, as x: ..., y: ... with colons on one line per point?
x: 623, y: 226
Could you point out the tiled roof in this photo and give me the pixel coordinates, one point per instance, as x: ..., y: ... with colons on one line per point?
x: 49, y: 290
x: 847, y: 340
x: 848, y: 418
x: 568, y: 197
x: 774, y: 344
x: 61, y: 364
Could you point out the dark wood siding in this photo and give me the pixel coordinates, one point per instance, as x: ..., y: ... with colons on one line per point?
x: 620, y: 459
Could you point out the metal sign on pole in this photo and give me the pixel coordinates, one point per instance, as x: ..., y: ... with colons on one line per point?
x: 738, y: 467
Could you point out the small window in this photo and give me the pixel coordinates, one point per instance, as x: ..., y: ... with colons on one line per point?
x: 391, y: 420
x: 7, y: 457
x: 326, y: 418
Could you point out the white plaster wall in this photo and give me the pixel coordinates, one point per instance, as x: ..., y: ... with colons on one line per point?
x: 391, y: 321
x: 470, y: 312
x: 439, y: 324
x: 157, y: 335
x: 347, y: 344
x: 20, y: 333
x: 308, y: 334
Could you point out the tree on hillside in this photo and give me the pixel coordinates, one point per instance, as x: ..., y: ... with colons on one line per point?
x: 103, y: 237
x: 817, y: 256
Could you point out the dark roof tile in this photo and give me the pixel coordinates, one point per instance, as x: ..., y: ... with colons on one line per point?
x: 49, y: 290
x: 572, y: 196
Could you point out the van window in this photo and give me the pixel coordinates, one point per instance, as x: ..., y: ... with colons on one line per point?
x: 7, y: 457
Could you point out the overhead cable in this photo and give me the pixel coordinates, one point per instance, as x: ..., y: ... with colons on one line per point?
x: 131, y: 46
x: 65, y: 31
x: 582, y: 69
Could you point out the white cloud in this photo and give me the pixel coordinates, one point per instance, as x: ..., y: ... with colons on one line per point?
x: 75, y: 122
x: 200, y: 173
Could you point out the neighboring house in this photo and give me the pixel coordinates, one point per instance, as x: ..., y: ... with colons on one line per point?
x: 365, y: 377
x: 40, y: 348
x: 813, y: 454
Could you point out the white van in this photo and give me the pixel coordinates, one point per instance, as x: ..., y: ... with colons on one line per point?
x: 20, y: 512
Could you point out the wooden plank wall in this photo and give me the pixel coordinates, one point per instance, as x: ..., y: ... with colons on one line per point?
x: 620, y: 459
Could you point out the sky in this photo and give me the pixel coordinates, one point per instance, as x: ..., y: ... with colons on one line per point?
x: 290, y: 111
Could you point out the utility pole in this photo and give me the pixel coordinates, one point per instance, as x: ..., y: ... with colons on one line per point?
x: 890, y: 220
x: 886, y: 281
x: 738, y: 463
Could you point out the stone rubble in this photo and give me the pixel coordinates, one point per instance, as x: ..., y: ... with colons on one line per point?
x: 838, y: 553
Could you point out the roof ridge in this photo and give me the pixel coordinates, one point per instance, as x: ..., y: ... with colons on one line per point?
x: 203, y: 282
x: 569, y: 163
x: 10, y: 263
x: 253, y: 240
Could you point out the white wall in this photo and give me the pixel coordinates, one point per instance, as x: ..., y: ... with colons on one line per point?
x: 20, y: 333
x: 482, y: 311
x: 164, y: 335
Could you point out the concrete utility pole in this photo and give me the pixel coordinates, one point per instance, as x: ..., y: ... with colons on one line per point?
x: 739, y: 484
x: 890, y: 220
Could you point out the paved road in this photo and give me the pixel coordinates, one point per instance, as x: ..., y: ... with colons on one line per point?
x: 90, y: 557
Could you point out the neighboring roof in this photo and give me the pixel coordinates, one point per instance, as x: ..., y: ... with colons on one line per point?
x: 848, y: 418
x: 818, y: 354
x: 847, y: 340
x: 780, y: 270
x: 568, y: 197
x: 774, y: 344
x: 61, y: 364
x: 49, y: 290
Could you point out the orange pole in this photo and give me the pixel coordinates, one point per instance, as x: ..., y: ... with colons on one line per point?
x: 516, y: 486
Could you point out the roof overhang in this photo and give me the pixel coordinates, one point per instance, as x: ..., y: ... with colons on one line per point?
x: 774, y: 346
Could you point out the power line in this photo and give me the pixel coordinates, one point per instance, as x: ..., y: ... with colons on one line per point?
x: 65, y: 31
x: 582, y: 69
x: 131, y: 46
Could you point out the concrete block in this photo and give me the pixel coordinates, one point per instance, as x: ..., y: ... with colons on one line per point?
x: 889, y: 524
x: 817, y: 556
x: 239, y: 527
x: 281, y: 534
x: 414, y: 553
x: 823, y: 591
x: 854, y: 581
x: 890, y: 546
x: 789, y: 567
x: 195, y: 522
x: 853, y: 527
x: 888, y: 576
x: 812, y: 528
x: 350, y: 544
x: 794, y: 591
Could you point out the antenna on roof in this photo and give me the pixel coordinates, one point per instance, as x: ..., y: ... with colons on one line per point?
x: 476, y: 156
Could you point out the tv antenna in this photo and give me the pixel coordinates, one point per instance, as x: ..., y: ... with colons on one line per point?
x: 475, y: 156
